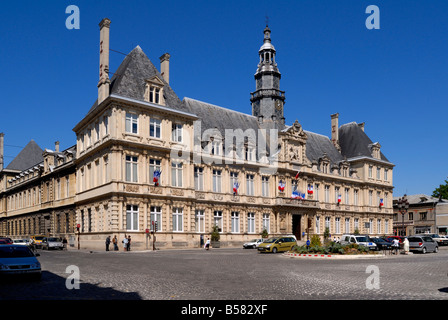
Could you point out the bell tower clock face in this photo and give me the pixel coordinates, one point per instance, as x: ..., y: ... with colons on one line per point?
x: 278, y: 105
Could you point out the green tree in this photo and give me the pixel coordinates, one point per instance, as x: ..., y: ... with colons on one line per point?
x: 442, y: 190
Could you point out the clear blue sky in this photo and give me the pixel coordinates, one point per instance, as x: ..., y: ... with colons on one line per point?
x: 395, y: 79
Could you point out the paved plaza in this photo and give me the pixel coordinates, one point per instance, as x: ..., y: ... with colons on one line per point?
x: 231, y: 274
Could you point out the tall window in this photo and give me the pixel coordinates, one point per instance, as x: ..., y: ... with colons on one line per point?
x: 327, y: 223
x: 67, y: 188
x: 370, y: 171
x: 176, y: 174
x: 131, y: 218
x: 251, y: 222
x: 378, y: 173
x: 198, y: 178
x: 178, y: 220
x: 347, y: 196
x: 235, y: 222
x: 357, y: 224
x: 265, y: 186
x: 156, y: 216
x: 378, y: 197
x: 266, y: 222
x: 327, y: 193
x: 199, y: 218
x: 317, y: 224
x: 355, y: 197
x: 338, y: 225
x: 176, y: 133
x: 378, y: 226
x: 385, y: 174
x: 386, y: 226
x: 370, y: 197
x: 217, y: 219
x: 233, y: 180
x: 131, y: 169
x: 154, y: 165
x: 131, y: 123
x: 317, y: 191
x: 106, y: 125
x: 336, y: 194
x: 347, y: 225
x: 250, y: 184
x: 216, y: 180
x: 155, y: 127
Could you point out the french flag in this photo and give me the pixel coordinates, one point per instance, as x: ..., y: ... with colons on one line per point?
x: 235, y: 188
x: 310, y: 189
x: 381, y: 203
x: 156, y: 178
x: 339, y: 199
x: 295, y: 195
x: 297, y: 175
x: 281, y: 186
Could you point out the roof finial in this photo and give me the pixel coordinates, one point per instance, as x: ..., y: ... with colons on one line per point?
x: 267, y: 21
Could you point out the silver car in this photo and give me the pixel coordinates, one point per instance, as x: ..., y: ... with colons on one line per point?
x: 423, y: 244
x: 52, y: 243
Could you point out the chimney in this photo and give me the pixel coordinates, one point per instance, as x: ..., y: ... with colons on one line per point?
x: 165, y: 67
x: 335, y: 130
x: 104, y: 83
x: 56, y: 146
x: 2, y: 140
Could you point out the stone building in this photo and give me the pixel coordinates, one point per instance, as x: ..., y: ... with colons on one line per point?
x: 426, y: 214
x: 143, y: 157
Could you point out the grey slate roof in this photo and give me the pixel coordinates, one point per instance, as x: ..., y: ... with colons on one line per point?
x: 28, y: 157
x: 421, y: 199
x: 220, y: 119
x: 129, y: 80
x: 317, y: 145
x: 354, y: 142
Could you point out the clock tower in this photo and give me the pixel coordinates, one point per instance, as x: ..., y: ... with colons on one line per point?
x: 268, y: 100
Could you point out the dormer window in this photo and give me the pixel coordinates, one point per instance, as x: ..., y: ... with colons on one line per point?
x: 154, y: 91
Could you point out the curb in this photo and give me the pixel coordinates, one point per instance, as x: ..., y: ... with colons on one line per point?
x: 332, y: 256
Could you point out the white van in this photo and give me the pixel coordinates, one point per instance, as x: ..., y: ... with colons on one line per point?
x: 358, y: 239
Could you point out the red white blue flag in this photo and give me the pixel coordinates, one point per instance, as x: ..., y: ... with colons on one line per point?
x: 156, y: 177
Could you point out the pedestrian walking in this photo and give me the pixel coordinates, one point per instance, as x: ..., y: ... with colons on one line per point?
x: 129, y: 243
x: 115, y: 242
x: 395, y: 245
x: 64, y: 242
x: 207, y: 244
x: 125, y: 243
x: 107, y: 243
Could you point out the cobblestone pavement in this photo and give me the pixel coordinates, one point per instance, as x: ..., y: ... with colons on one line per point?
x: 231, y: 274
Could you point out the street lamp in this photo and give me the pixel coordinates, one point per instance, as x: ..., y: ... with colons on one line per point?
x: 403, y: 206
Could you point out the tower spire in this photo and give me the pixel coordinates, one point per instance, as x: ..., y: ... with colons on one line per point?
x: 267, y: 100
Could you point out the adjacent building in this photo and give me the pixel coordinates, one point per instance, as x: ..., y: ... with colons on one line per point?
x: 145, y: 158
x: 426, y: 214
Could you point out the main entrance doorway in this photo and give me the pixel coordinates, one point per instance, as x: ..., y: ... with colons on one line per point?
x: 296, y: 226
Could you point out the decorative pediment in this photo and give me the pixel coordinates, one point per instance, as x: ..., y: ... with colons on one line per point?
x: 296, y: 130
x: 156, y: 81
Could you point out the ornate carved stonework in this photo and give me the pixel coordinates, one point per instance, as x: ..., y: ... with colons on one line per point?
x: 177, y: 192
x: 200, y: 195
x: 155, y: 190
x: 131, y: 188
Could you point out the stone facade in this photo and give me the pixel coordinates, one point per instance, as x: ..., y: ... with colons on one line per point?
x: 267, y: 175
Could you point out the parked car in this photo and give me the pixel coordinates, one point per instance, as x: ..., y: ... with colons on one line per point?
x: 52, y: 243
x: 5, y: 240
x: 252, y: 244
x: 382, y: 244
x: 277, y: 244
x: 440, y: 240
x: 18, y: 260
x: 422, y: 243
x: 37, y: 241
x: 22, y: 242
x: 361, y: 240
